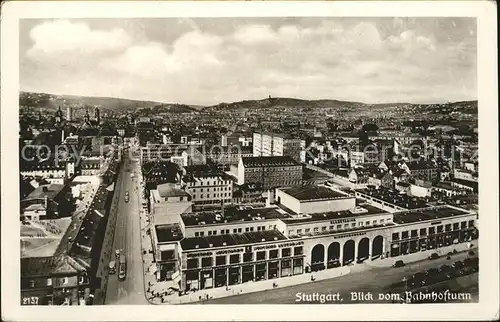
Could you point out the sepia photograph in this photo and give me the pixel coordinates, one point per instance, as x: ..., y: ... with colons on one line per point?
x: 241, y: 158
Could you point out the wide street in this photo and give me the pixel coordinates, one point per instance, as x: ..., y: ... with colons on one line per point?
x: 127, y: 239
x: 376, y: 280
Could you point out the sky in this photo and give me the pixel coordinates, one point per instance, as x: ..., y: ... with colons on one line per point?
x: 206, y: 61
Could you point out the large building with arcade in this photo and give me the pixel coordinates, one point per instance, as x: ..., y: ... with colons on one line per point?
x: 305, y: 229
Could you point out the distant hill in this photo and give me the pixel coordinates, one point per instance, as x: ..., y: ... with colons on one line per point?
x: 52, y: 101
x: 469, y: 107
x: 284, y: 102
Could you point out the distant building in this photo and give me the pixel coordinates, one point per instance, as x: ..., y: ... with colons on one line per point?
x: 69, y: 113
x: 47, y: 201
x: 273, y: 144
x: 209, y: 190
x: 424, y: 170
x: 270, y: 171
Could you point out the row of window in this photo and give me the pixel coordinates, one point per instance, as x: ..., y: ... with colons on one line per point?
x: 216, y: 195
x: 339, y: 227
x: 235, y: 231
x: 215, y: 189
x: 212, y: 202
x: 247, y: 257
x: 213, y: 183
x: 433, y: 230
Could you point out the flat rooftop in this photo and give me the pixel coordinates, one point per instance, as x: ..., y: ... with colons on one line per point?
x: 231, y: 214
x: 363, y: 210
x: 394, y: 197
x: 427, y: 214
x: 311, y: 192
x: 170, y: 232
x: 231, y: 239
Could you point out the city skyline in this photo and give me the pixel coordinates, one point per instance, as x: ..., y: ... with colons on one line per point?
x: 209, y: 61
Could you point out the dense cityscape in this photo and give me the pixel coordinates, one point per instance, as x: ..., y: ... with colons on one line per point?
x: 130, y: 202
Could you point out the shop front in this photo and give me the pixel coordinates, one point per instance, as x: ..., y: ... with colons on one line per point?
x: 207, y: 280
x: 260, y: 271
x: 192, y: 280
x: 220, y: 277
x: 298, y: 266
x: 247, y: 274
x: 273, y: 270
x: 286, y: 267
x: 234, y: 275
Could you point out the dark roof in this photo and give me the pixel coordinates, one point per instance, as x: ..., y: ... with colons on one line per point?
x: 50, y: 190
x: 49, y: 266
x: 171, y: 232
x: 421, y: 165
x: 474, y: 185
x: 231, y: 214
x: 311, y: 192
x: 231, y: 239
x: 427, y: 214
x: 273, y: 161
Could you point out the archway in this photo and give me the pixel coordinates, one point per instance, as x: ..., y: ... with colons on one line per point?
x: 348, y: 253
x: 377, y: 247
x: 333, y: 255
x: 318, y: 258
x: 363, y: 249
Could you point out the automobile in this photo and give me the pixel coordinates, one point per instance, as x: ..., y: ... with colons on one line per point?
x: 112, y: 267
x: 433, y: 256
x: 399, y: 263
x: 117, y: 253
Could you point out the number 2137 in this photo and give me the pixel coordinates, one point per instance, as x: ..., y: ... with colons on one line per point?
x: 33, y: 300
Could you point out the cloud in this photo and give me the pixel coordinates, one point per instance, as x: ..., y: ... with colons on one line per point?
x: 327, y: 59
x: 63, y: 36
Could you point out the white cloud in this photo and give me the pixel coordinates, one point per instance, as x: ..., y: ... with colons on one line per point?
x: 328, y: 60
x: 63, y: 36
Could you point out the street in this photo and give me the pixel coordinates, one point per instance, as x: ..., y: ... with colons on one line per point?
x: 376, y: 280
x: 127, y: 239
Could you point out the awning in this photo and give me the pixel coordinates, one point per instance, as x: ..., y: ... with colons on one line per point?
x: 111, y: 187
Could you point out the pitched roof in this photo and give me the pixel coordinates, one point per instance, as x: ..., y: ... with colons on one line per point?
x: 49, y: 266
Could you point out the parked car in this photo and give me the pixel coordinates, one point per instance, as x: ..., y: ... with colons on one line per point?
x: 399, y: 263
x: 117, y: 253
x: 433, y: 256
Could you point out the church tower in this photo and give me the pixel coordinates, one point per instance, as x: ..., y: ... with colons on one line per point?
x: 97, y: 115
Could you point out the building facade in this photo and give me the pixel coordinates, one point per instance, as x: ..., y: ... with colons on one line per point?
x: 270, y: 172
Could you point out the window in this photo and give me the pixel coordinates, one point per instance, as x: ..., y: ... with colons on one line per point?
x: 290, y: 232
x: 227, y: 231
x: 414, y: 233
x: 201, y: 196
x: 447, y: 227
x: 247, y: 257
x: 440, y: 229
x: 251, y: 228
x: 220, y: 260
x: 353, y: 225
x: 339, y: 226
x: 323, y: 228
x: 192, y: 263
x: 395, y: 236
x: 240, y: 230
x: 235, y: 231
x: 374, y: 222
x: 382, y: 221
x: 298, y: 251
x: 49, y: 281
x: 234, y: 259
x: 247, y: 229
x: 432, y: 230
x: 258, y: 228
x: 423, y: 232
x: 202, y: 233
x: 273, y: 253
x: 455, y: 226
x: 261, y: 255
x: 299, y: 231
x: 308, y: 230
x: 316, y: 229
x: 471, y: 223
x: 286, y: 252
x: 209, y: 233
x: 367, y: 223
x: 331, y: 227
x: 263, y: 227
x: 196, y: 234
x: 463, y: 225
